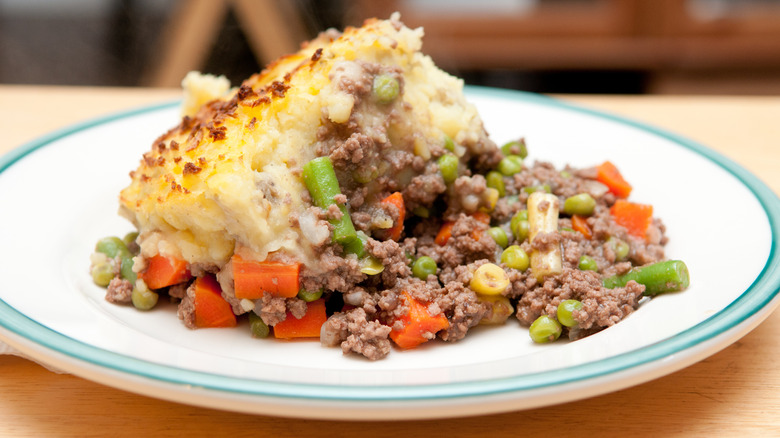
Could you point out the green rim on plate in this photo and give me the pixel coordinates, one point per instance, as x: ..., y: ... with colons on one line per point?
x: 758, y: 296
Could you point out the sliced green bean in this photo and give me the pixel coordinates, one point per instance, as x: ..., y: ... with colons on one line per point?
x: 658, y: 278
x: 320, y: 179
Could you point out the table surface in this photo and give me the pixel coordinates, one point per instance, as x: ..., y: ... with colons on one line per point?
x: 735, y: 392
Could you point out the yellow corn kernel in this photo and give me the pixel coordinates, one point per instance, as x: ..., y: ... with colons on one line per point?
x: 489, y: 279
x: 490, y: 197
x: 371, y: 266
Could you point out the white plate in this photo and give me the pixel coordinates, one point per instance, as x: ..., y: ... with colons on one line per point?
x: 59, y: 195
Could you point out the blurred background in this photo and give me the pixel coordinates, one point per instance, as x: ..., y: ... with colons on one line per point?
x: 549, y: 46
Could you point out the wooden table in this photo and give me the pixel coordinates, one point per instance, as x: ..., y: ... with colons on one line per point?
x: 736, y: 392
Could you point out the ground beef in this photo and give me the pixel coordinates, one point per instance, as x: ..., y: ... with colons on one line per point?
x: 186, y: 309
x: 119, y: 291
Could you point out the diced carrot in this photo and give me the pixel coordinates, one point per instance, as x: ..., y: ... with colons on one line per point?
x: 417, y: 324
x: 636, y: 218
x: 481, y: 216
x: 307, y: 327
x: 162, y: 271
x: 252, y: 278
x: 396, y: 199
x: 610, y: 176
x: 444, y: 234
x: 211, y: 310
x: 579, y: 223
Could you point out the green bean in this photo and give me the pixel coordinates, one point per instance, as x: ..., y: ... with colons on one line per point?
x: 310, y: 296
x: 423, y: 267
x: 258, y: 327
x: 496, y: 180
x: 448, y: 166
x: 538, y: 188
x: 514, y: 257
x: 126, y: 269
x: 545, y: 329
x: 103, y: 273
x: 565, y: 312
x: 320, y: 179
x: 111, y: 246
x: 357, y: 246
x: 587, y: 264
x: 386, y: 88
x: 510, y: 165
x: 581, y: 204
x: 143, y: 298
x: 499, y: 235
x: 516, y: 147
x: 658, y: 278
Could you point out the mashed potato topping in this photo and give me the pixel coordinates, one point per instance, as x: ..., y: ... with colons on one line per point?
x: 229, y: 175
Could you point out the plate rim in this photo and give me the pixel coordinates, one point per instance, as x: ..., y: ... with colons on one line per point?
x: 762, y: 292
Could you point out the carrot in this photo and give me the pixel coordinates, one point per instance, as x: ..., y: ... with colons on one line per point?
x: 211, y: 310
x: 636, y: 218
x: 252, y: 278
x: 610, y: 176
x: 579, y: 223
x: 481, y: 216
x: 417, y: 324
x: 162, y: 271
x: 444, y: 234
x: 396, y: 199
x: 307, y: 327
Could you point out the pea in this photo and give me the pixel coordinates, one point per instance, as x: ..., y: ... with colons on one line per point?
x: 565, y: 310
x: 545, y: 329
x: 111, y: 246
x: 130, y: 238
x: 448, y: 166
x: 422, y: 212
x: 581, y: 204
x: 386, y: 88
x: 258, y: 327
x: 126, y: 269
x: 565, y: 174
x: 514, y: 257
x: 499, y: 235
x: 448, y: 143
x: 102, y: 273
x: 309, y: 296
x: 587, y: 264
x: 496, y: 181
x: 520, y: 226
x: 143, y: 298
x: 620, y: 247
x: 516, y: 147
x: 423, y: 267
x: 510, y: 165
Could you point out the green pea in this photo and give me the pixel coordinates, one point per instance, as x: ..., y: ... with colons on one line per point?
x: 310, y: 296
x: 510, y: 165
x: 538, y: 188
x: 103, y: 273
x: 516, y: 147
x: 423, y: 267
x: 422, y: 212
x: 386, y: 88
x: 581, y: 204
x: 565, y: 310
x: 259, y: 328
x: 545, y: 329
x: 520, y: 226
x: 130, y: 238
x: 448, y: 166
x: 620, y: 247
x: 587, y: 264
x: 496, y: 180
x: 565, y: 174
x: 514, y: 257
x: 499, y: 235
x: 448, y: 143
x: 111, y: 246
x: 144, y: 299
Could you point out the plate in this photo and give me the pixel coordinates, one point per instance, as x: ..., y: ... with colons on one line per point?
x: 59, y: 195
